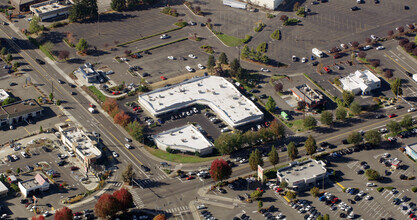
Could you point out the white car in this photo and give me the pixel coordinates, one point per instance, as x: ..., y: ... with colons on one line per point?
x: 192, y: 56
x: 411, y: 110
x: 374, y: 37
x: 367, y: 47
x: 380, y: 48
x: 201, y: 66
x: 303, y: 60
x: 165, y: 36
x: 189, y: 69
x: 201, y: 207
x: 171, y: 57
x: 115, y: 154
x: 294, y: 58
x: 46, y: 214
x: 368, y: 197
x: 264, y: 69
x: 128, y: 146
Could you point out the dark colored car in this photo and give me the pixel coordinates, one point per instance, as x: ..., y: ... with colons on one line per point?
x: 354, y: 8
x: 39, y: 61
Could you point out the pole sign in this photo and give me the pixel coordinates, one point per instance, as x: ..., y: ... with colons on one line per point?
x: 260, y: 173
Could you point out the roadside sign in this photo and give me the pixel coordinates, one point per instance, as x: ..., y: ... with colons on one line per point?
x: 260, y: 173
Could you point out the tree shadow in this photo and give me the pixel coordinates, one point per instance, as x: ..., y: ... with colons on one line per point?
x: 76, y: 60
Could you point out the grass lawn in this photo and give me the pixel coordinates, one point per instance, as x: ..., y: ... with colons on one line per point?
x: 97, y: 93
x: 298, y: 125
x: 178, y: 158
x: 230, y: 40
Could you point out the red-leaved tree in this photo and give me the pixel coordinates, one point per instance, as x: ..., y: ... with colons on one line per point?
x: 121, y: 118
x: 39, y: 217
x: 109, y: 105
x: 106, y: 206
x: 124, y: 198
x: 220, y: 170
x: 159, y: 217
x: 63, y: 214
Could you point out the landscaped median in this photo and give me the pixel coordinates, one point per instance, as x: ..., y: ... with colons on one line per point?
x: 153, y: 35
x: 97, y: 93
x: 42, y: 48
x: 178, y: 158
x: 162, y: 45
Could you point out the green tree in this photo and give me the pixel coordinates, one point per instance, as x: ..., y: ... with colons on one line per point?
x: 16, y: 65
x: 18, y: 170
x: 406, y: 122
x: 292, y: 151
x: 118, y: 5
x: 234, y: 66
x: 8, y: 100
x: 257, y: 194
x: 310, y: 122
x: 320, y: 217
x: 326, y: 118
x: 260, y: 204
x: 128, y: 174
x: 396, y: 87
x: 270, y: 104
x: 310, y: 145
x: 341, y: 113
x: 348, y: 97
x: 227, y: 143
x: 273, y: 156
x: 394, y: 127
x: 34, y: 26
x: 58, y: 102
x: 315, y: 191
x: 255, y: 159
x: 373, y: 137
x: 82, y: 45
x: 283, y: 184
x: 355, y: 108
x: 211, y: 62
x: 40, y: 129
x: 135, y: 130
x: 9, y: 57
x: 83, y: 9
x: 262, y: 47
x: 223, y: 58
x: 244, y: 54
x: 372, y: 174
x: 326, y: 217
x: 291, y: 194
x: 354, y: 138
x: 3, y: 51
x: 48, y: 46
x: 277, y: 129
x: 51, y: 96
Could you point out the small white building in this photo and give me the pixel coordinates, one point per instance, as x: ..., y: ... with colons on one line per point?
x: 84, y: 147
x: 303, y: 175
x: 186, y: 138
x: 50, y: 9
x: 3, y: 189
x: 411, y: 150
x: 33, y: 186
x: 3, y: 95
x: 269, y: 4
x: 361, y: 81
x: 213, y: 91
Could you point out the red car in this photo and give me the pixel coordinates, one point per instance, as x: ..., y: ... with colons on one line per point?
x: 137, y: 108
x: 411, y: 215
x: 116, y: 93
x: 392, y: 115
x: 259, y: 189
x: 78, y: 213
x: 73, y: 168
x: 327, y: 69
x: 278, y: 190
x: 163, y: 78
x: 335, y: 200
x: 190, y: 178
x: 92, y: 105
x: 337, y: 56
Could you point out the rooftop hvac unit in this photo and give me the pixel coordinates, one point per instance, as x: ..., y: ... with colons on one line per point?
x: 184, y: 140
x: 194, y: 137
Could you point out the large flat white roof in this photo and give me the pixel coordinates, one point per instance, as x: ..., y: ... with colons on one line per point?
x: 302, y: 171
x: 213, y: 91
x: 187, y: 137
x: 359, y: 79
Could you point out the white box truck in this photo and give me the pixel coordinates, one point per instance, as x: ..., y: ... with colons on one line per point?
x: 317, y: 52
x: 415, y: 77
